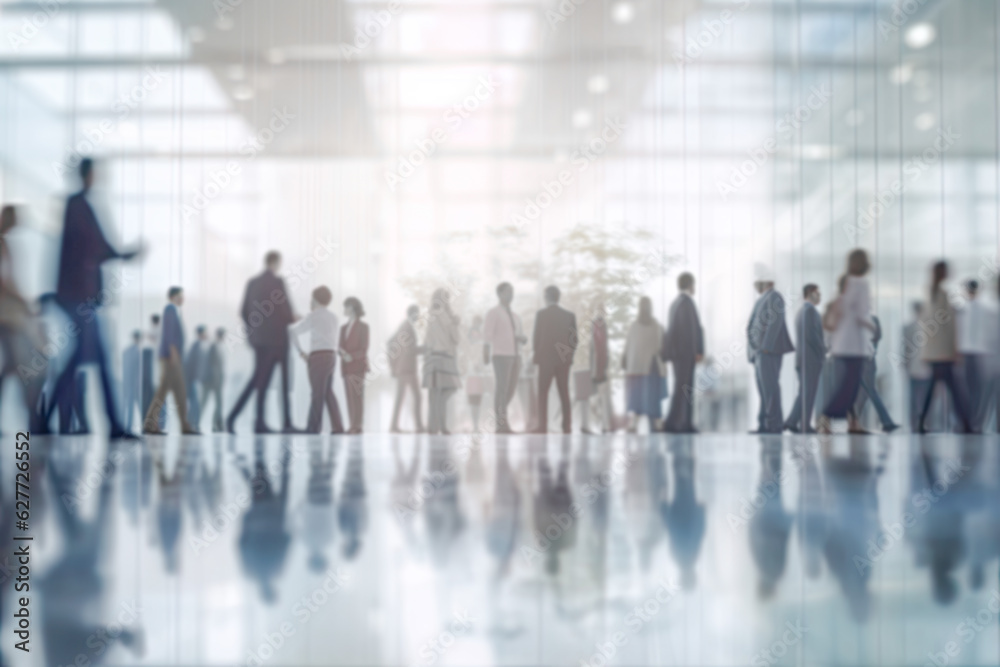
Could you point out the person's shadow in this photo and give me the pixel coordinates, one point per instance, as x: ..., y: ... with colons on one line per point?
x: 264, y: 537
x: 770, y: 525
x: 352, y: 511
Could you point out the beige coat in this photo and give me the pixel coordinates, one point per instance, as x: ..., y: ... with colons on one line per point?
x: 642, y: 345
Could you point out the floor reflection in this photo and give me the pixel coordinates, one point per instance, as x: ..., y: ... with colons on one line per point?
x: 416, y: 550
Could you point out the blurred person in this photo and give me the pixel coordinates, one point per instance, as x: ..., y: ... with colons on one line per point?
x: 80, y: 293
x: 403, y: 351
x: 131, y: 387
x: 767, y: 343
x: 770, y: 526
x: 810, y: 353
x: 321, y: 325
x: 264, y: 537
x: 645, y: 384
x: 941, y: 349
x: 502, y: 337
x: 317, y: 516
x: 352, y: 510
x: 684, y: 347
x: 851, y: 325
x: 684, y: 516
x: 599, y: 356
x: 474, y: 368
x: 977, y: 324
x: 441, y: 378
x: 555, y: 341
x: 171, y: 368
x: 149, y: 368
x: 918, y: 371
x: 869, y: 388
x: 353, y: 350
x: 553, y: 499
x: 266, y: 313
x: 214, y: 379
x: 194, y: 371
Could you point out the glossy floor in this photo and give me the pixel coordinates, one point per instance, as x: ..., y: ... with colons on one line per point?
x: 411, y: 550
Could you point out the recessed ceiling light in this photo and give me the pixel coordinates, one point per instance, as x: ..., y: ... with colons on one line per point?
x: 598, y: 84
x: 925, y: 121
x: 901, y: 74
x: 623, y: 12
x: 582, y: 118
x: 920, y: 35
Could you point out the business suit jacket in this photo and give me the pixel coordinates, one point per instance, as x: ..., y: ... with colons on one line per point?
x: 84, y: 248
x: 684, y: 339
x: 555, y: 337
x: 403, y: 350
x: 172, y: 332
x: 356, y: 345
x: 194, y: 362
x: 767, y: 332
x: 809, y: 333
x: 214, y: 367
x: 267, y: 311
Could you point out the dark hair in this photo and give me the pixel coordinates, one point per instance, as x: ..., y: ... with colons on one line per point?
x: 502, y: 286
x: 355, y: 304
x: 414, y: 308
x: 685, y: 281
x: 272, y: 258
x: 972, y: 286
x: 220, y: 332
x: 323, y: 295
x: 155, y: 318
x: 86, y: 168
x: 200, y: 329
x: 8, y: 218
x: 552, y: 294
x: 938, y: 273
x: 809, y: 289
x: 137, y: 335
x: 173, y: 291
x: 857, y: 263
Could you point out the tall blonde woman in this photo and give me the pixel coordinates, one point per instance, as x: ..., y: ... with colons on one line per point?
x: 441, y: 377
x: 645, y: 383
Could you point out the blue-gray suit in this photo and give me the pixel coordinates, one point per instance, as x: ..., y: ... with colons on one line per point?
x: 768, y: 341
x: 809, y: 358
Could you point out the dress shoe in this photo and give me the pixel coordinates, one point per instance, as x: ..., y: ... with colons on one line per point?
x: 890, y: 428
x: 124, y: 435
x: 153, y: 431
x: 262, y: 429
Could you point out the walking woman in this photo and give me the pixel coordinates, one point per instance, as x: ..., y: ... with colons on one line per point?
x: 852, y: 326
x: 941, y: 349
x: 354, y: 352
x: 645, y: 384
x: 441, y: 376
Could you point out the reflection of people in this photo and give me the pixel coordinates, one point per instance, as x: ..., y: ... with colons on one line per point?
x: 264, y: 537
x: 554, y: 500
x: 171, y: 368
x: 321, y: 325
x: 502, y: 338
x: 685, y: 516
x: 403, y: 351
x: 767, y: 342
x: 443, y: 515
x: 810, y: 353
x: 554, y: 345
x: 352, y: 511
x: 811, y: 514
x: 771, y: 525
x: 683, y: 346
x: 440, y: 363
x: 80, y: 293
x: 266, y: 313
x: 317, y: 516
x: 354, y: 352
x: 645, y: 380
x: 504, y: 517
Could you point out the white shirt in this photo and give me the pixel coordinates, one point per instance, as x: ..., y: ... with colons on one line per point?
x: 322, y: 327
x: 498, y: 332
x: 975, y: 324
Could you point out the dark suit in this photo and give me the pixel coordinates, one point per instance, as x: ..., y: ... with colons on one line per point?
x: 403, y: 361
x: 79, y: 292
x: 212, y: 381
x: 356, y: 345
x: 683, y: 342
x: 266, y: 312
x: 809, y: 357
x: 768, y: 341
x: 194, y: 370
x: 554, y: 344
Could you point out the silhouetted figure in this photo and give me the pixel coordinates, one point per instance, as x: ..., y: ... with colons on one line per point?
x: 443, y: 517
x: 321, y: 325
x: 504, y: 519
x: 352, y: 511
x: 977, y: 341
x: 168, y: 511
x: 554, y: 344
x: 317, y: 518
x: 918, y: 371
x: 264, y: 536
x: 685, y: 516
x: 80, y: 293
x: 811, y: 516
x: 441, y: 377
x: 131, y: 378
x: 869, y: 387
x: 354, y: 352
x: 149, y: 353
x: 810, y: 353
x: 554, y: 520
x: 770, y: 525
x: 215, y: 378
x: 403, y: 351
x: 683, y: 346
x: 599, y: 380
x: 195, y: 362
x: 503, y: 337
x: 941, y: 349
x: 645, y: 380
x: 266, y: 312
x: 171, y: 368
x: 767, y: 343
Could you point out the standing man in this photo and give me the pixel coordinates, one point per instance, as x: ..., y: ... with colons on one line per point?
x: 767, y: 343
x: 918, y: 371
x: 171, y: 368
x: 266, y: 313
x: 194, y: 371
x: 810, y: 353
x: 555, y: 340
x: 684, y: 346
x: 975, y: 333
x: 149, y: 366
x: 80, y: 293
x: 130, y: 378
x: 403, y: 351
x: 321, y: 325
x: 214, y: 378
x: 502, y: 337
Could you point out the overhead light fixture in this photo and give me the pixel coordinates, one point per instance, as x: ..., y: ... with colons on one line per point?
x: 598, y: 84
x: 920, y: 35
x: 623, y: 12
x: 901, y: 74
x: 582, y: 119
x: 925, y: 121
